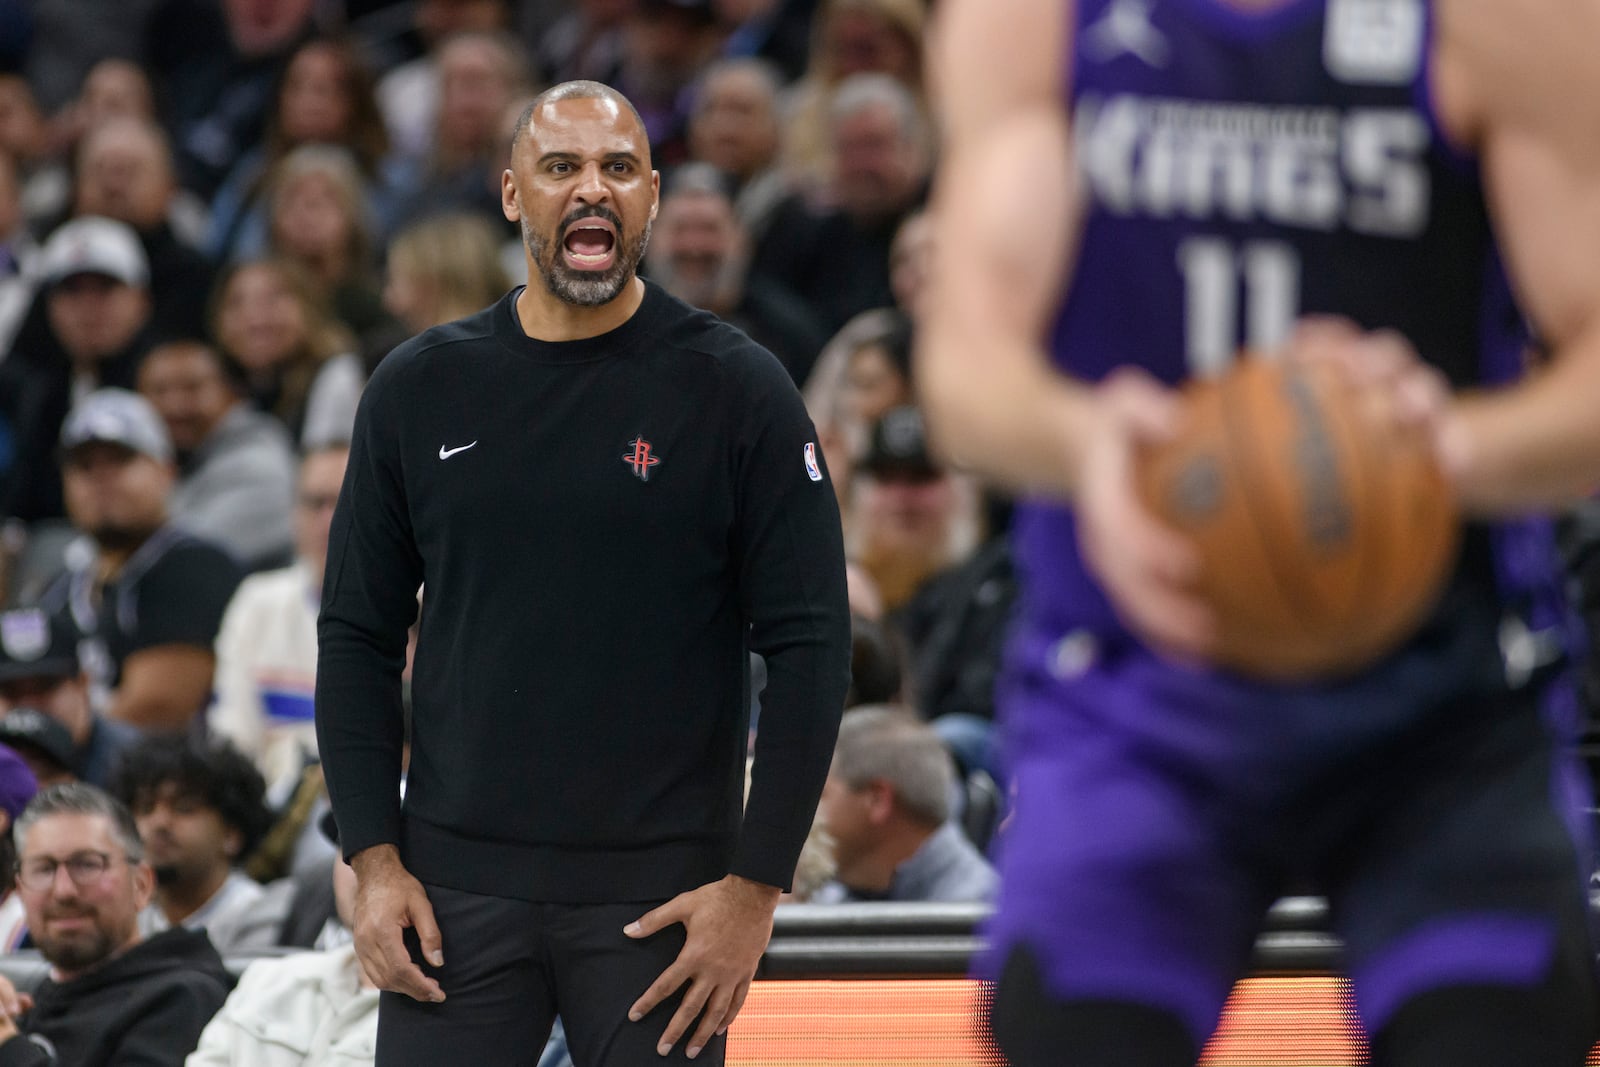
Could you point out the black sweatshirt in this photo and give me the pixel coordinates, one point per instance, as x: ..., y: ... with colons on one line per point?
x: 146, y: 1007
x: 604, y: 527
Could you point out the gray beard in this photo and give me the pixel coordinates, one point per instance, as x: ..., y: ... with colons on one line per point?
x: 585, y: 288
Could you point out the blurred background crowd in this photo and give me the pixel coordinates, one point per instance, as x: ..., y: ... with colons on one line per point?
x: 218, y: 216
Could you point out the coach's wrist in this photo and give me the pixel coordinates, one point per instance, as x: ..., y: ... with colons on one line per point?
x: 376, y: 860
x: 753, y: 891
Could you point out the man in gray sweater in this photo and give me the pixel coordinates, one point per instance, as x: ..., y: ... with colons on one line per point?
x: 236, y: 465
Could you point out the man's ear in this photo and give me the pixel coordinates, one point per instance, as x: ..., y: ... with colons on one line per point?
x: 144, y: 883
x: 509, y: 206
x: 880, y: 800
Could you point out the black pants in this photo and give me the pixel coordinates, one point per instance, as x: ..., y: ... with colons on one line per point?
x: 511, y: 967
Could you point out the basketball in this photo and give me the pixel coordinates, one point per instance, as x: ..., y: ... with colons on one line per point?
x: 1325, y: 532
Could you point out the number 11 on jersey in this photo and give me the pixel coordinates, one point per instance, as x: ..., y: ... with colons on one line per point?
x: 1217, y: 275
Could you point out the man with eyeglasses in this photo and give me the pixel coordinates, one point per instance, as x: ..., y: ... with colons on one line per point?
x: 112, y: 997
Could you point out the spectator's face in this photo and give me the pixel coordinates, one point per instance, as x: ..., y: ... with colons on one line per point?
x: 878, y: 169
x: 475, y: 89
x: 911, y: 262
x: 873, y: 384
x: 695, y: 254
x: 94, y: 316
x: 115, y: 89
x: 116, y: 495
x: 408, y: 296
x: 848, y: 814
x: 260, y: 322
x: 22, y: 129
x: 583, y: 192
x: 310, y: 218
x: 907, y: 514
x: 124, y: 173
x: 77, y: 927
x: 261, y: 27
x: 315, y: 103
x: 859, y: 42
x: 185, y: 384
x: 186, y: 841
x: 437, y: 19
x: 321, y: 474
x: 735, y: 127
x: 64, y: 699
x: 664, y: 50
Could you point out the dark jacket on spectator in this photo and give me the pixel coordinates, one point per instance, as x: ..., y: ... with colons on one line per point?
x: 146, y: 1006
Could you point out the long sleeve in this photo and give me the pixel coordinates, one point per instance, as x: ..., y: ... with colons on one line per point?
x: 368, y: 601
x: 792, y: 589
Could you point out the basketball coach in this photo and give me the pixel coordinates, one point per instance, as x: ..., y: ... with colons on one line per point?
x: 612, y: 498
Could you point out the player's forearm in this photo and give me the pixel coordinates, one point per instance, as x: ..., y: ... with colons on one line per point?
x: 1533, y: 446
x: 1006, y: 216
x: 1017, y: 424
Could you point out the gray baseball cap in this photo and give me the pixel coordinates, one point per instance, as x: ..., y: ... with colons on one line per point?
x: 118, y: 417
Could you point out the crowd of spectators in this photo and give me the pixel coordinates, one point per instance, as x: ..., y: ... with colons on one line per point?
x: 216, y: 218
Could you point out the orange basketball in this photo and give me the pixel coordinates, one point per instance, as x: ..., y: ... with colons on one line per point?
x: 1325, y: 533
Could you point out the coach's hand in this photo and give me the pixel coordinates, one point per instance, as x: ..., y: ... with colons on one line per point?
x: 388, y: 900
x: 728, y: 924
x: 1147, y: 569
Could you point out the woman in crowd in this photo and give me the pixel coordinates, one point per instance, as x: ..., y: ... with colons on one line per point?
x: 325, y: 97
x: 319, y: 221
x: 440, y: 269
x: 268, y: 320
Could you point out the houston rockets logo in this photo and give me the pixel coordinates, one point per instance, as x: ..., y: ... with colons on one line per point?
x: 640, y: 458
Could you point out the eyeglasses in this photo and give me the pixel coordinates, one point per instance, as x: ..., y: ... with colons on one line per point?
x: 84, y: 868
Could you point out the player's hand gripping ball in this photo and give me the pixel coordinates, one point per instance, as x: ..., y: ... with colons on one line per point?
x: 1325, y: 529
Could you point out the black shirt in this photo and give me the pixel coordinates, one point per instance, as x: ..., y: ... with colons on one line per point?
x: 605, y: 527
x: 171, y: 591
x: 148, y: 1005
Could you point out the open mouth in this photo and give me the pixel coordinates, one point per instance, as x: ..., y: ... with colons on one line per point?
x: 590, y: 244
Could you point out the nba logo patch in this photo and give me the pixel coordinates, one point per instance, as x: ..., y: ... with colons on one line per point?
x: 1374, y: 42
x: 25, y: 634
x: 813, y: 471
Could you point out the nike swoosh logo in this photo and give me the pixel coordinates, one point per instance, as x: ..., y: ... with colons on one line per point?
x: 446, y: 453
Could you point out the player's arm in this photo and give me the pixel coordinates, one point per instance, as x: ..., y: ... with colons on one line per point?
x: 1007, y: 212
x: 1005, y: 216
x: 1527, y: 93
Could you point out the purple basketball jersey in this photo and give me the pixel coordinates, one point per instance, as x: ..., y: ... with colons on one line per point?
x: 1244, y: 170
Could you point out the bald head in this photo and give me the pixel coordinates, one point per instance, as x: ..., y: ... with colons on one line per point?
x: 576, y: 90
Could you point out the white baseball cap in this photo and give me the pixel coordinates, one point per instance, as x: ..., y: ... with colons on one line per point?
x: 94, y: 245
